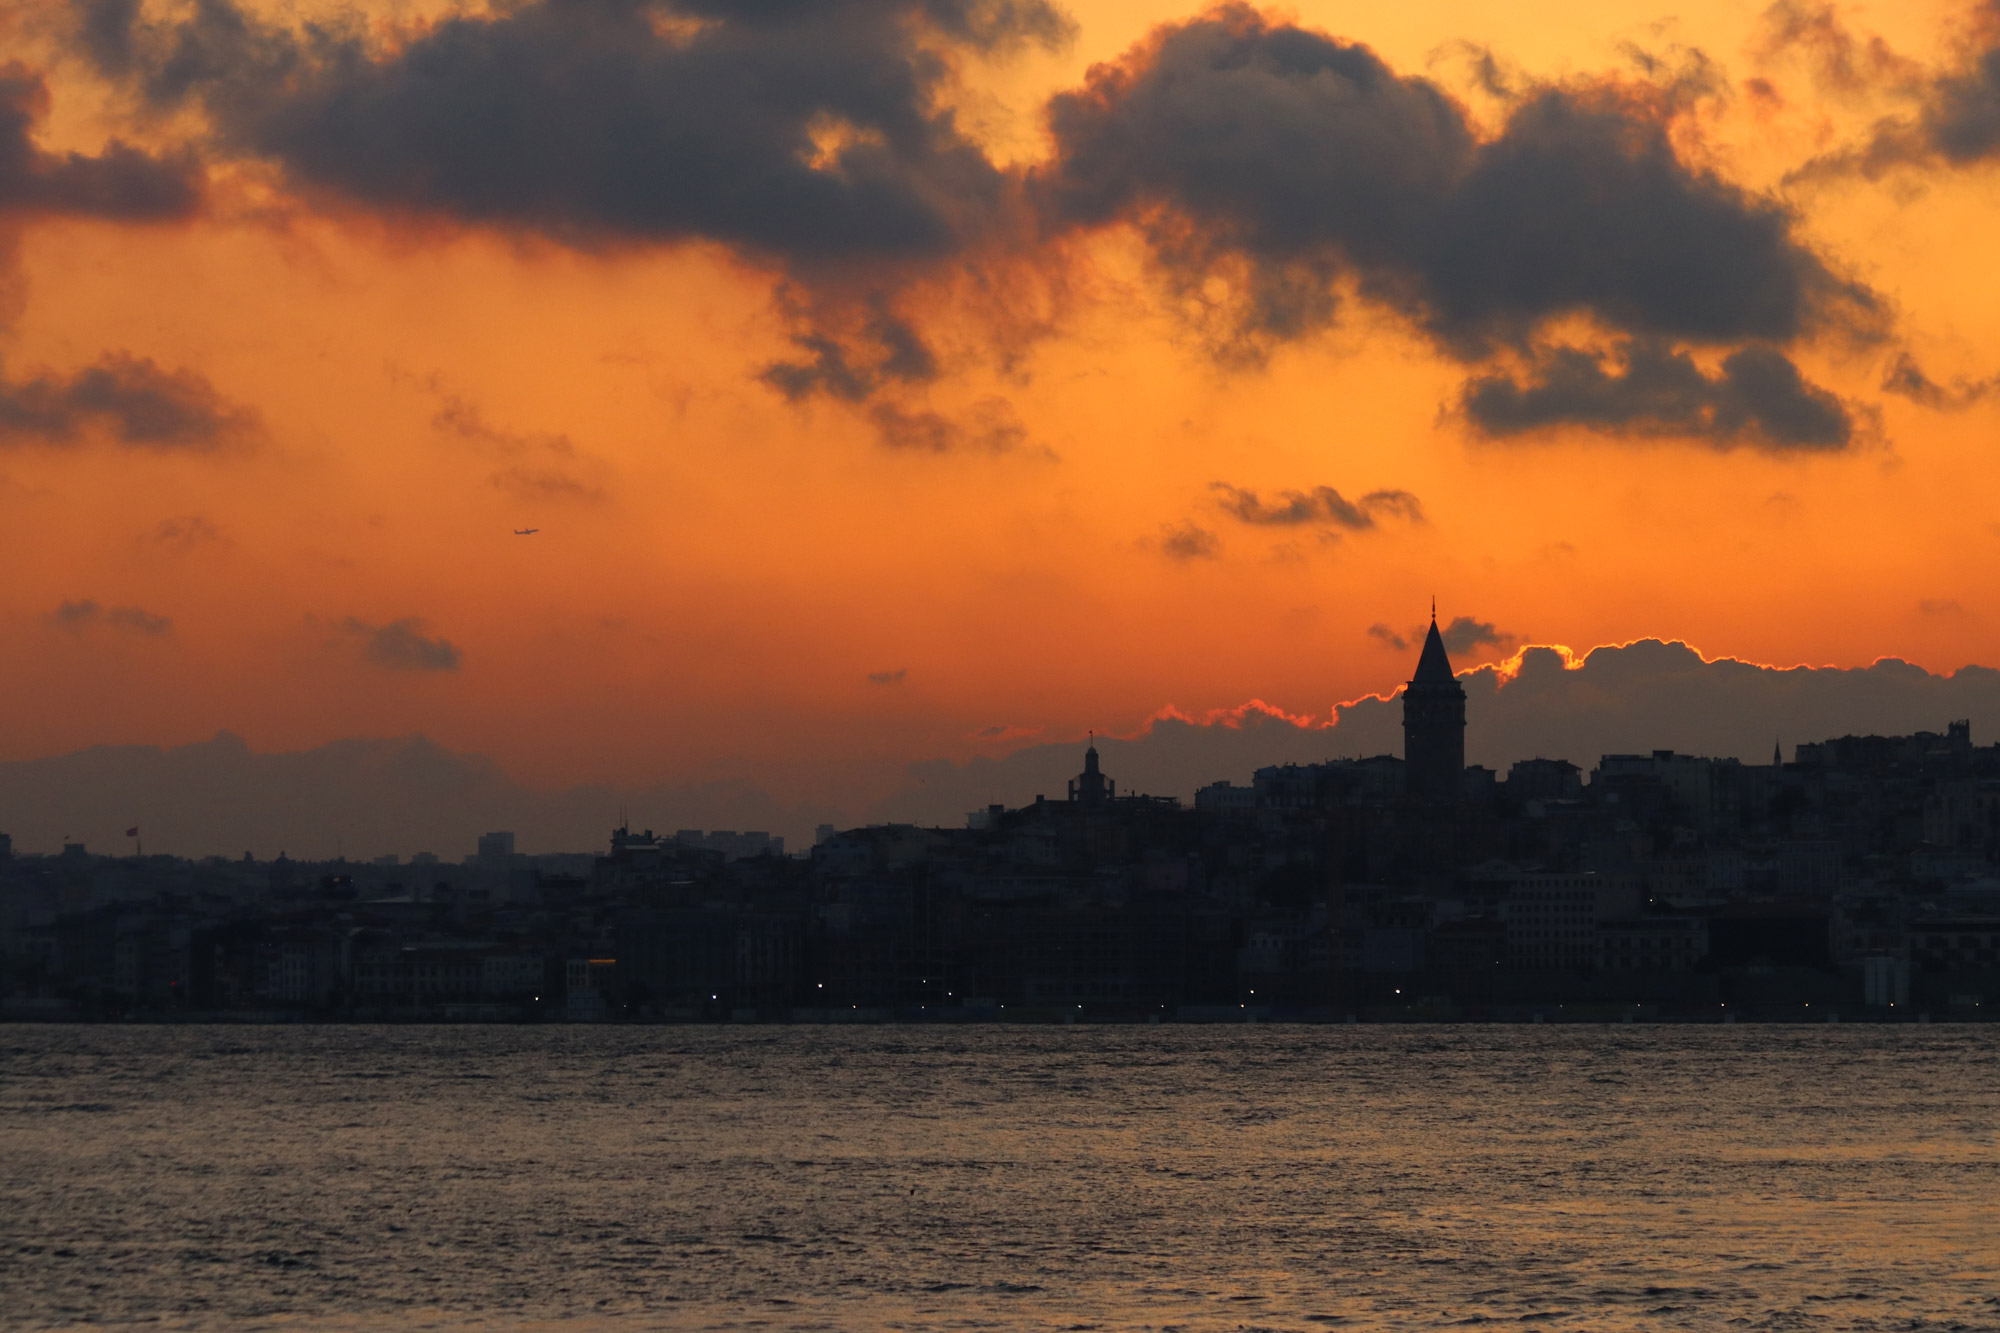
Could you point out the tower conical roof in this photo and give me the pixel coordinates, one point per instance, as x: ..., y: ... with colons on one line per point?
x: 1433, y: 668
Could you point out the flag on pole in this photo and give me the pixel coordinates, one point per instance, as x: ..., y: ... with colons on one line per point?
x: 132, y: 832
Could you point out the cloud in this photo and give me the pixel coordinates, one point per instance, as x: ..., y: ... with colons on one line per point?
x: 1170, y: 755
x: 79, y: 615
x: 1907, y: 379
x: 1961, y: 121
x: 1841, y: 62
x: 401, y: 645
x: 185, y: 532
x: 1956, y: 123
x: 120, y: 184
x: 827, y: 372
x: 805, y: 134
x: 1266, y: 157
x: 363, y: 796
x: 528, y: 480
x: 898, y: 354
x: 410, y: 794
x: 888, y: 677
x: 1003, y: 731
x: 131, y: 399
x: 544, y: 484
x: 1321, y: 505
x: 1652, y: 694
x: 1461, y: 635
x: 1464, y: 634
x: 1186, y: 540
x: 463, y: 418
x: 1940, y: 606
x: 1270, y: 168
x: 1387, y: 635
x: 1545, y: 702
x: 1758, y: 398
x: 989, y: 426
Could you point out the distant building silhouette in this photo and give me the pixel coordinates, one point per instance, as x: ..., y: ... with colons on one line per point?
x: 1434, y: 725
x: 1091, y: 787
x: 1545, y: 780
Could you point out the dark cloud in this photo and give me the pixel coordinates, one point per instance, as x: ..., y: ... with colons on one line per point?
x: 888, y: 677
x: 529, y: 483
x: 1613, y: 700
x: 826, y: 371
x: 1940, y: 606
x: 1247, y: 146
x: 1907, y: 379
x: 1464, y: 634
x: 358, y: 796
x: 990, y: 426
x: 1461, y: 635
x: 408, y: 794
x: 186, y: 532
x: 1758, y: 397
x: 1962, y: 120
x: 1957, y: 120
x: 121, y: 183
x: 1841, y: 61
x: 1188, y: 541
x: 401, y: 645
x: 809, y: 133
x: 463, y: 418
x: 896, y: 354
x: 814, y: 139
x: 1320, y: 505
x: 131, y: 399
x: 79, y: 615
x: 1003, y: 731
x: 543, y: 466
x: 1649, y: 694
x: 1387, y: 634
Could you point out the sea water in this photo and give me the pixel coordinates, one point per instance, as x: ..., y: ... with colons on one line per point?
x: 998, y: 1177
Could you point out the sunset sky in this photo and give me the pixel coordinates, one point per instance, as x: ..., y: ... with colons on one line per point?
x: 890, y: 380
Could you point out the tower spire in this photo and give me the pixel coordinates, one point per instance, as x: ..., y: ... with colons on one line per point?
x: 1434, y: 724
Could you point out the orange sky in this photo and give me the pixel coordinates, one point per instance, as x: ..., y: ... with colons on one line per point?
x: 718, y: 571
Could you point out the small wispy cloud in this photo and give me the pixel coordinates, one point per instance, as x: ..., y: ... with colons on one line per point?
x: 127, y: 399
x: 1462, y: 634
x: 1384, y: 634
x: 1187, y: 540
x: 1322, y: 505
x: 82, y: 614
x: 401, y: 645
x: 185, y: 532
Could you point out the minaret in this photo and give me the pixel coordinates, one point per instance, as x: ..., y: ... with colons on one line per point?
x: 1434, y: 725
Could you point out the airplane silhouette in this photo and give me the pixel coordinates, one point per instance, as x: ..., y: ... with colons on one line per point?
x: 526, y: 532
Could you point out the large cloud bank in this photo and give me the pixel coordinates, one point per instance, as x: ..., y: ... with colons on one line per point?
x: 1637, y: 697
x: 361, y: 798
x: 1280, y: 166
